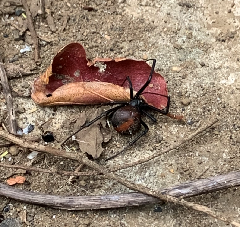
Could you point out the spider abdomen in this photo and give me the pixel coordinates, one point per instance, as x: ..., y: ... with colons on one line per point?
x: 126, y: 120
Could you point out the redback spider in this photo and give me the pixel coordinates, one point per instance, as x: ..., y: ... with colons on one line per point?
x: 127, y: 117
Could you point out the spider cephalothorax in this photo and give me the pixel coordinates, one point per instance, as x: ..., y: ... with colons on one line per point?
x: 126, y: 117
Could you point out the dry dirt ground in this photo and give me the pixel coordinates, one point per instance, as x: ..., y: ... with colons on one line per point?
x: 196, y: 44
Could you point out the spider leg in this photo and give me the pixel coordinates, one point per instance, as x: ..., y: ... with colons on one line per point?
x: 130, y: 86
x: 148, y: 81
x: 164, y: 111
x: 133, y: 141
x: 87, y: 124
x: 150, y: 116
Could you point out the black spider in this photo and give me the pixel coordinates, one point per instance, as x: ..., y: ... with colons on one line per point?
x: 127, y: 117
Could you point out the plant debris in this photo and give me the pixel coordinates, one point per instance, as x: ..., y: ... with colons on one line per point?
x: 72, y: 79
x: 16, y: 180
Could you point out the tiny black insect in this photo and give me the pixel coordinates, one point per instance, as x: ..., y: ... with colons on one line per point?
x: 127, y: 117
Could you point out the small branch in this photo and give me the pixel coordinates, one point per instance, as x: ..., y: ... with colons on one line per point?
x: 6, y: 145
x: 52, y: 171
x: 8, y: 96
x: 73, y: 177
x: 121, y: 180
x: 32, y: 31
x: 37, y: 146
x: 176, y: 146
x: 188, y: 189
x: 151, y: 192
x: 42, y: 8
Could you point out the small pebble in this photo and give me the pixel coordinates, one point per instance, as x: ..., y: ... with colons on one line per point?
x: 238, y: 139
x: 186, y: 101
x: 28, y: 129
x: 8, y: 156
x: 15, y: 58
x: 6, y: 208
x: 177, y: 46
x: 25, y: 49
x: 16, y: 35
x: 159, y: 138
x: 82, y: 183
x: 7, y: 4
x: 144, y: 57
x: 13, y: 150
x: 18, y: 11
x: 176, y: 69
x: 190, y: 122
x: 202, y: 63
x: 157, y: 209
x: 32, y: 155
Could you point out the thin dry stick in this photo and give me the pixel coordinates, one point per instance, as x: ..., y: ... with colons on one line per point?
x: 52, y: 171
x: 8, y: 96
x: 42, y: 7
x: 6, y: 145
x: 116, y: 177
x: 176, y: 146
x: 157, y: 194
x: 73, y: 177
x: 32, y: 31
x: 183, y: 190
x: 37, y: 146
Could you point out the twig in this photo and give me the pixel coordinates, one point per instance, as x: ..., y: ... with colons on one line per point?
x: 117, y: 178
x: 32, y: 31
x: 52, y: 171
x: 176, y: 146
x: 73, y: 177
x: 42, y: 8
x: 157, y: 194
x: 201, y: 174
x: 9, y: 100
x: 6, y: 145
x: 38, y: 147
x: 184, y: 190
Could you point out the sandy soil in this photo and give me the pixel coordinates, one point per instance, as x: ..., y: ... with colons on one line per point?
x: 196, y: 44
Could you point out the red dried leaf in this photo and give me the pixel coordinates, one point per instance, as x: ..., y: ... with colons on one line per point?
x: 16, y: 180
x: 71, y: 79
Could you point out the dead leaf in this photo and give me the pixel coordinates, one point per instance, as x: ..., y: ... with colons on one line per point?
x: 90, y: 139
x: 16, y: 180
x: 71, y: 79
x: 80, y: 121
